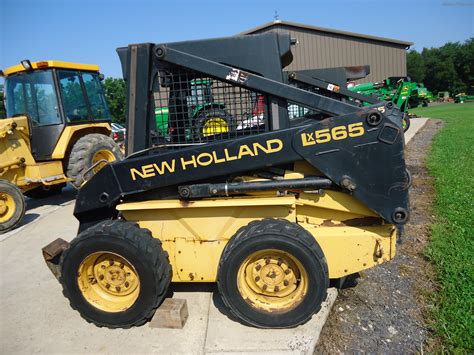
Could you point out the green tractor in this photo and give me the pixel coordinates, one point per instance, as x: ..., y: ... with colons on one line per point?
x: 420, y: 95
x: 205, y: 118
x: 400, y: 90
x: 465, y: 96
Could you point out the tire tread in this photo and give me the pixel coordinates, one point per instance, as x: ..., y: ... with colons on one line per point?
x: 277, y: 226
x: 151, y: 249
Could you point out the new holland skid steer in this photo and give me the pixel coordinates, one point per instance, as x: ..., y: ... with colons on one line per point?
x: 271, y: 211
x: 57, y: 130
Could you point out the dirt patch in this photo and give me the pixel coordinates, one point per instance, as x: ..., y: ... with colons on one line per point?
x: 384, y: 313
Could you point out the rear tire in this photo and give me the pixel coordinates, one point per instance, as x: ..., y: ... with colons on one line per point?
x: 87, y: 151
x: 44, y: 191
x: 12, y: 206
x: 273, y: 274
x: 115, y: 274
x: 212, y: 122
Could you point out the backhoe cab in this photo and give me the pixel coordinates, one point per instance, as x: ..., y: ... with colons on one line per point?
x: 57, y: 128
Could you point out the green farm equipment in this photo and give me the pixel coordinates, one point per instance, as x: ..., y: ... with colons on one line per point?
x: 420, y: 95
x: 205, y: 117
x: 465, y: 96
x: 400, y: 90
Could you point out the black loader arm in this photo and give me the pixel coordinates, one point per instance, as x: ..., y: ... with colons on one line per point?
x: 358, y: 150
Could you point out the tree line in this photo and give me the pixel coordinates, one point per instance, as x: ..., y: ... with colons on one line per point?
x: 447, y: 68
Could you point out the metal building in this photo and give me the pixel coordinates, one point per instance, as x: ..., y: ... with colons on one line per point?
x: 324, y: 48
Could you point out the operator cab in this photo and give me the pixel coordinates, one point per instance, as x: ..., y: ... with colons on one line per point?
x: 53, y: 95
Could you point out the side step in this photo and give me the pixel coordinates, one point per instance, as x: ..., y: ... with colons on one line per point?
x: 52, y: 255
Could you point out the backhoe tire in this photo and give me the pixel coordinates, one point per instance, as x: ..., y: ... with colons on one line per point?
x: 212, y: 122
x: 88, y: 150
x: 44, y: 191
x: 12, y: 206
x: 273, y: 274
x: 115, y: 274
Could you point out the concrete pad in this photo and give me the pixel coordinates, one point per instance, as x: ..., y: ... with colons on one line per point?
x: 416, y: 124
x: 36, y: 317
x: 228, y: 336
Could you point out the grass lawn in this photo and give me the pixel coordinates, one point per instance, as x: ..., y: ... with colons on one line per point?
x: 451, y: 249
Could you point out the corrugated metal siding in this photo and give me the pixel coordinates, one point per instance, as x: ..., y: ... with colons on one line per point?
x: 325, y: 50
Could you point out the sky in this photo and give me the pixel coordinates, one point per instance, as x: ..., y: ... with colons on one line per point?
x: 89, y: 31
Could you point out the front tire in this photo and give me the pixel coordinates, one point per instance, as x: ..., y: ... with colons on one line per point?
x: 87, y: 151
x: 12, y: 206
x: 273, y: 274
x: 115, y: 274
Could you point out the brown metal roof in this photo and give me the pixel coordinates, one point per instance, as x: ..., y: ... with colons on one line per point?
x: 323, y: 29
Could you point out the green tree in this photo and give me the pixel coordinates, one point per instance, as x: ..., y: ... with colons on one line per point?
x: 416, y: 66
x: 115, y: 94
x: 447, y: 68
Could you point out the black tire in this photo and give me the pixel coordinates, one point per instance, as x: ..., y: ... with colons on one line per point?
x: 83, y: 152
x: 12, y: 193
x: 44, y: 191
x: 140, y: 249
x: 406, y: 123
x: 278, y: 235
x: 205, y: 116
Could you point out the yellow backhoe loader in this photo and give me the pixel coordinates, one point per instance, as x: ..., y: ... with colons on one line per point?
x: 57, y: 130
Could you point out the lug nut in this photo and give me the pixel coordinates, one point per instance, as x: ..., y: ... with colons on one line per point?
x: 111, y: 262
x: 287, y: 271
x: 286, y: 282
x: 258, y: 267
x: 267, y: 261
x: 276, y: 289
x: 101, y: 277
x: 264, y: 287
x: 126, y: 284
x: 121, y: 265
x: 279, y: 261
x: 117, y: 288
x: 107, y: 286
x: 257, y: 279
x: 102, y: 266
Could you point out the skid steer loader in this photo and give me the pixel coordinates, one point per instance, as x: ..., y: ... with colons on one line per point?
x: 271, y: 212
x: 57, y: 130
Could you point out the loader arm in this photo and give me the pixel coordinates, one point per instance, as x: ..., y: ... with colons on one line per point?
x: 357, y: 150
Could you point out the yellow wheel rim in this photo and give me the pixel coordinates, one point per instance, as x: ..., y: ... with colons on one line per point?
x: 108, y: 282
x: 7, y: 207
x: 272, y: 281
x: 214, y: 126
x: 103, y: 154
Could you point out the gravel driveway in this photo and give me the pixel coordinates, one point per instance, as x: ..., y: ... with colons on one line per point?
x: 384, y: 312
